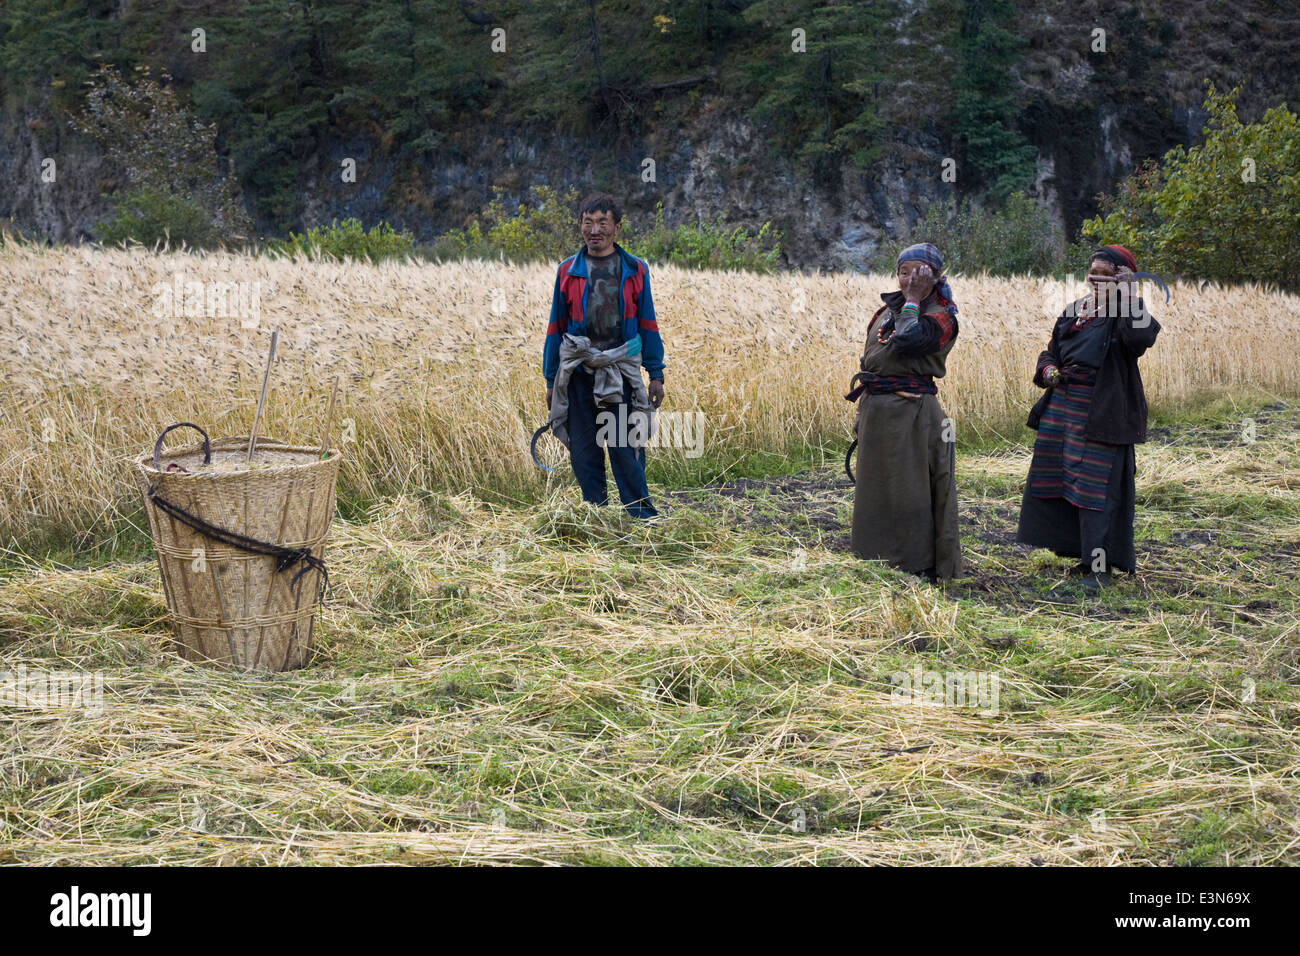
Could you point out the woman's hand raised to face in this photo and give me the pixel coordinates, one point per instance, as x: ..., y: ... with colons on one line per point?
x: 916, y: 283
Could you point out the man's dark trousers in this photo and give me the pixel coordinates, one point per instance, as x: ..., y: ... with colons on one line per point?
x: 588, y: 457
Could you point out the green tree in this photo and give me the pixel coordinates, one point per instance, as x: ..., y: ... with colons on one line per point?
x: 821, y: 104
x: 589, y: 65
x: 992, y: 151
x: 702, y: 30
x: 414, y: 66
x: 284, y: 77
x: 1227, y: 210
x: 48, y: 44
x: 266, y: 84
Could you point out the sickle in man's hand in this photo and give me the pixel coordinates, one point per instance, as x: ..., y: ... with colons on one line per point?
x: 532, y: 448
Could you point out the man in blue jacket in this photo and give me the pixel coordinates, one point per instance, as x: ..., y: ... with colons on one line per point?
x: 602, y: 331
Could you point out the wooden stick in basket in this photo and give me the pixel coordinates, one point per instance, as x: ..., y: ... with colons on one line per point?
x: 329, y: 419
x: 257, y: 416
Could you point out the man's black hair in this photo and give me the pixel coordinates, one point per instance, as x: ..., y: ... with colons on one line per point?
x: 601, y: 202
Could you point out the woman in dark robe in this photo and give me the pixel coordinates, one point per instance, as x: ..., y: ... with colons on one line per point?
x: 905, y: 502
x: 1079, y: 499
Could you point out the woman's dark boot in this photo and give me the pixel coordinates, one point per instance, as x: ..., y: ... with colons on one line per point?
x: 1094, y: 582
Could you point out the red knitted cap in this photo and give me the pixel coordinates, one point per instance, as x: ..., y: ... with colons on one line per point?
x: 1125, y: 255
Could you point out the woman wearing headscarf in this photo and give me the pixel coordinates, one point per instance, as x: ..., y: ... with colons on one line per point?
x: 1079, y: 498
x: 905, y: 502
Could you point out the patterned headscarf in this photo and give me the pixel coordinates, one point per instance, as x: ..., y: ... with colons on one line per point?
x: 929, y: 254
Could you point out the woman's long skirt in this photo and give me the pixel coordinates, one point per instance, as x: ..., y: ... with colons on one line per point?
x: 905, y: 502
x: 1079, y: 498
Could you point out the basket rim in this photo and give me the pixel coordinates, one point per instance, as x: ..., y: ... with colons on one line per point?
x: 145, y: 462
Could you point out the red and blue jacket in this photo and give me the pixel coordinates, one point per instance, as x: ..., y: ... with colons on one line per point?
x: 569, y: 307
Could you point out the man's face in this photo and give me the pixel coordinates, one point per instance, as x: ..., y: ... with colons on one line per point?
x: 599, y: 231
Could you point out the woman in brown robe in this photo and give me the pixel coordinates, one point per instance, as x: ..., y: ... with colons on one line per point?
x: 905, y: 502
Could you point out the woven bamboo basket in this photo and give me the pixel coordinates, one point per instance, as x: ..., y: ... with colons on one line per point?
x: 228, y: 605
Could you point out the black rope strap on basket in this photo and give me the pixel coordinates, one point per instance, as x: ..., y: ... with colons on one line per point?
x: 287, y: 557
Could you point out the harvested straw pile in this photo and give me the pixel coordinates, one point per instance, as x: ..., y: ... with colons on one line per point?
x: 566, y: 686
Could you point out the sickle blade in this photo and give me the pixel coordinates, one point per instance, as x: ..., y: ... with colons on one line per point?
x: 532, y: 448
x: 1156, y: 279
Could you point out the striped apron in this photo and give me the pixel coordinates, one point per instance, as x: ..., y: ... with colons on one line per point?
x: 1066, y: 464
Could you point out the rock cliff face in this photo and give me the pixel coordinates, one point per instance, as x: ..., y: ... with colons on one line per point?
x: 64, y: 208
x: 1091, y: 114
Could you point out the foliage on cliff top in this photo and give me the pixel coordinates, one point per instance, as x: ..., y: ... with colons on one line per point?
x: 282, y: 82
x: 1225, y: 210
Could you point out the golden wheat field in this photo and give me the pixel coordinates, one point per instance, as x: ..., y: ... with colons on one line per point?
x: 440, y: 363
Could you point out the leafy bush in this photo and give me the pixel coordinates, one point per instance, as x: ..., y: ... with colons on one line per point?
x: 1017, y: 239
x: 547, y: 231
x: 707, y: 245
x: 1226, y: 210
x: 347, y: 240
x: 150, y: 216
